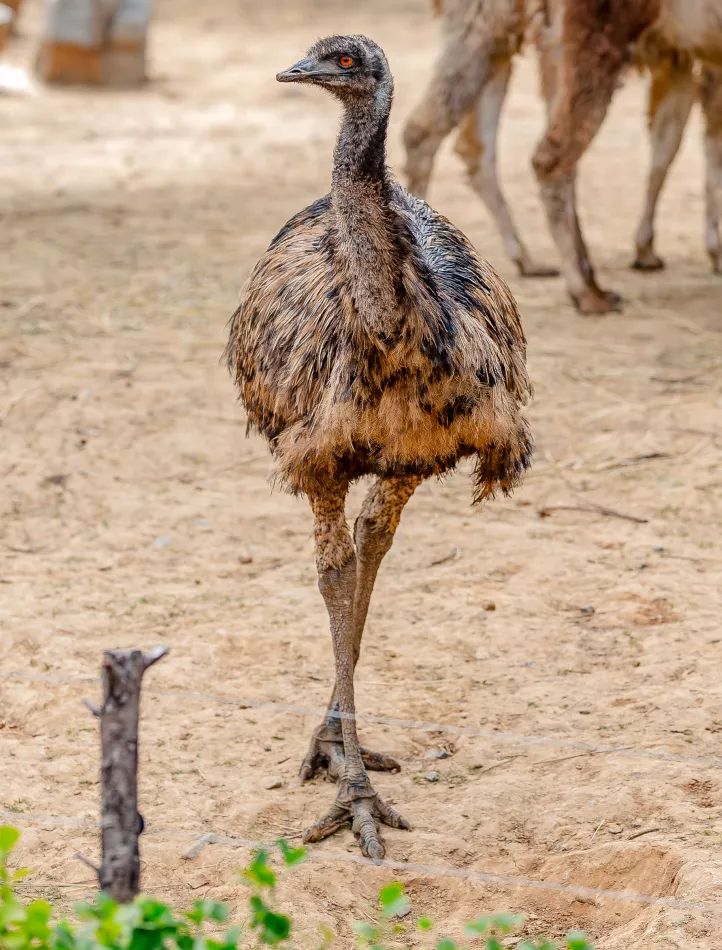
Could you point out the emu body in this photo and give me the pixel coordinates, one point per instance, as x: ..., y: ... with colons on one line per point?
x: 372, y: 341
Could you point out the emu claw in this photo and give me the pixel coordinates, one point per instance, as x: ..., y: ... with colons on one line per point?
x: 326, y: 752
x: 366, y: 812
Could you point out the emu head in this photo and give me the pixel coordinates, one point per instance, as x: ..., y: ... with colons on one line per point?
x: 351, y: 67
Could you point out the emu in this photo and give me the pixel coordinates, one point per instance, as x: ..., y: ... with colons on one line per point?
x: 596, y: 40
x: 371, y: 340
x: 469, y: 83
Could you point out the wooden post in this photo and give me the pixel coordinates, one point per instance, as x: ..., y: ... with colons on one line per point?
x: 121, y: 822
x: 94, y: 42
x: 6, y: 19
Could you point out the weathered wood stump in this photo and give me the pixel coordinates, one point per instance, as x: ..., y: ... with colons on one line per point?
x: 121, y: 822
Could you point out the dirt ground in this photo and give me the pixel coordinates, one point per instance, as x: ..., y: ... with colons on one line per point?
x: 570, y: 657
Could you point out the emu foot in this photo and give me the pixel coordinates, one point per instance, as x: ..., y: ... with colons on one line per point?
x: 528, y: 268
x: 592, y: 301
x: 647, y: 260
x: 326, y: 752
x: 715, y: 257
x: 361, y: 807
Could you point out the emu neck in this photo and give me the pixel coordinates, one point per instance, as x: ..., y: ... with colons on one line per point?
x: 365, y: 242
x: 360, y: 153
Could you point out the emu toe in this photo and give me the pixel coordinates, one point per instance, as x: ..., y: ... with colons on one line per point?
x: 326, y: 753
x: 529, y: 268
x: 592, y: 301
x: 647, y: 260
x: 362, y: 808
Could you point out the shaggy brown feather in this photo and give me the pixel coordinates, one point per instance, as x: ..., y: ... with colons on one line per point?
x: 372, y: 340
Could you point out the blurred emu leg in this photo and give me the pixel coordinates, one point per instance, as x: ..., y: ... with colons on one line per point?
x: 671, y: 95
x: 476, y: 144
x: 458, y: 76
x: 588, y: 76
x: 712, y: 108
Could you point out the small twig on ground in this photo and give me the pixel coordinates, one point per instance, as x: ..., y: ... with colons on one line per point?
x: 638, y: 834
x: 578, y: 755
x: 634, y: 460
x: 594, y: 835
x: 451, y: 556
x: 496, y: 765
x: 547, y: 510
x: 89, y: 864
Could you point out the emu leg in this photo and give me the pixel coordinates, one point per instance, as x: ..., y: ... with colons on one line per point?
x: 587, y: 77
x: 356, y: 801
x: 670, y: 99
x: 373, y: 536
x: 459, y: 74
x: 476, y: 145
x: 712, y: 108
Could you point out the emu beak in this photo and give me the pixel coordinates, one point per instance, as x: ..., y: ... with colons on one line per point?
x: 304, y: 69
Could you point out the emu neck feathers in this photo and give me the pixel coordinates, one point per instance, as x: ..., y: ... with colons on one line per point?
x: 366, y: 245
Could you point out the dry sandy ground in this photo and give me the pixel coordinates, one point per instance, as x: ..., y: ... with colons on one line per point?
x: 582, y: 715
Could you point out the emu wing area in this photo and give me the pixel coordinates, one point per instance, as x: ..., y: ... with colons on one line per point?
x: 472, y: 306
x: 286, y: 333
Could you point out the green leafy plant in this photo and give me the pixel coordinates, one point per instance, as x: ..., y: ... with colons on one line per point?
x: 150, y: 924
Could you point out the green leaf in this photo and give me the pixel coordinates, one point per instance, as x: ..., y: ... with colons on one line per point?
x: 233, y: 936
x: 272, y: 927
x: 208, y: 910
x: 505, y: 923
x: 291, y: 855
x: 8, y: 838
x: 258, y: 871
x: 424, y: 923
x: 394, y: 903
x: 364, y: 929
x: 446, y: 944
x: 477, y: 927
x: 578, y: 941
x: 493, y: 944
x: 64, y: 937
x: 276, y: 927
x: 19, y: 875
x: 327, y: 937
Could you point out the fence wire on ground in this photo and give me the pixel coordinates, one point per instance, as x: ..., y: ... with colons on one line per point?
x: 199, y: 840
x: 419, y: 725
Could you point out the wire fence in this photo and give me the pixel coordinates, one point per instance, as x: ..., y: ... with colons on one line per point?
x: 198, y: 840
x: 500, y: 736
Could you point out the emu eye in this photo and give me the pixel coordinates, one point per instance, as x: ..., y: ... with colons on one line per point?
x: 345, y: 61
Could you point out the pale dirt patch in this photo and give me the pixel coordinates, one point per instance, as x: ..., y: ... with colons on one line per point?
x: 134, y: 512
